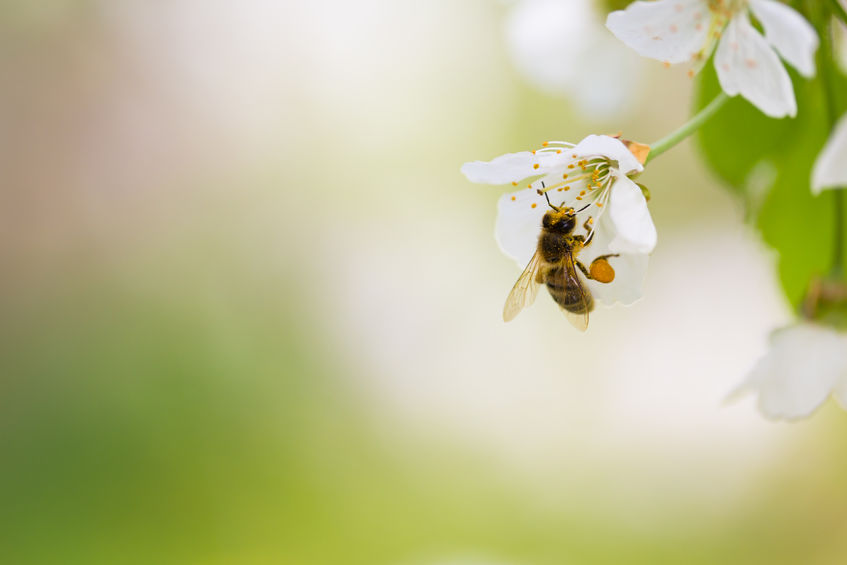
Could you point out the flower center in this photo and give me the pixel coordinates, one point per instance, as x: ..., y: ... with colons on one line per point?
x: 727, y: 8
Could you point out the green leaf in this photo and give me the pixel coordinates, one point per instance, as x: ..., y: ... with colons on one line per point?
x: 792, y: 221
x: 739, y: 136
x: 800, y: 226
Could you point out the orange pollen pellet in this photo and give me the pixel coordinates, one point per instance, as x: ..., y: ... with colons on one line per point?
x: 535, y: 166
x: 513, y: 198
x: 534, y: 205
x: 602, y: 271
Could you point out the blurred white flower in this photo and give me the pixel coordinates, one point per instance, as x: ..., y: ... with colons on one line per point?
x: 830, y: 170
x: 805, y: 363
x: 561, y: 47
x: 592, y: 174
x: 677, y: 31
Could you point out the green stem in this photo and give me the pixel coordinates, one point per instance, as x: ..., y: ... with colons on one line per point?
x: 827, y: 72
x: 838, y: 10
x: 687, y: 128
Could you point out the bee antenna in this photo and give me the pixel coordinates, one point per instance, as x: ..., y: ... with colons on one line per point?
x: 550, y: 203
x: 583, y: 208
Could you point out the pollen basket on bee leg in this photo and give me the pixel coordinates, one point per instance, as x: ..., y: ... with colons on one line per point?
x: 602, y: 271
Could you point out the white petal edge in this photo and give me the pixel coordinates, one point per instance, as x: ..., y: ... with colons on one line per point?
x: 790, y: 34
x: 611, y: 148
x: 830, y: 170
x: 747, y: 65
x: 512, y: 167
x: 630, y: 268
x: 805, y: 363
x: 672, y: 31
x: 630, y: 219
x: 519, y: 224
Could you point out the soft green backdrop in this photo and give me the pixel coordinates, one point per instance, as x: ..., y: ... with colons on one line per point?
x: 251, y: 311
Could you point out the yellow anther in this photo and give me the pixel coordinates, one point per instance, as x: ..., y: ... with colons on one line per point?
x: 534, y: 205
x: 599, y: 204
x: 564, y: 176
x: 545, y: 144
x: 513, y: 198
x: 535, y: 166
x: 571, y: 166
x: 514, y: 183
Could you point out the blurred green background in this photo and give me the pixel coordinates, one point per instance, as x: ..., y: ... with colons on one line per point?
x: 251, y: 310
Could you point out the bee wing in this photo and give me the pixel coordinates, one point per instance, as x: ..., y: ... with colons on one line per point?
x: 579, y: 321
x: 525, y: 290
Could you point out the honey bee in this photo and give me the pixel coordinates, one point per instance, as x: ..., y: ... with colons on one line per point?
x: 555, y: 264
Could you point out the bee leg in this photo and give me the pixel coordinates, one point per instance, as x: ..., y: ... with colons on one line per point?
x: 588, y: 226
x: 604, y: 257
x: 583, y: 269
x: 600, y: 270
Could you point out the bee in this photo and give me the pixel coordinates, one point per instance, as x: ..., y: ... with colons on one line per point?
x: 555, y: 264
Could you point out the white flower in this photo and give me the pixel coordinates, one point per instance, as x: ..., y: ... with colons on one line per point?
x: 805, y: 363
x: 830, y: 170
x: 591, y: 174
x: 676, y: 31
x: 562, y: 48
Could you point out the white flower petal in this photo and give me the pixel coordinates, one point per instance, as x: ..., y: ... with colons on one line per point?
x: 519, y: 224
x: 630, y: 219
x: 789, y: 33
x: 803, y: 366
x: 668, y: 30
x: 630, y: 268
x: 512, y: 167
x: 610, y: 148
x: 747, y: 65
x: 830, y: 170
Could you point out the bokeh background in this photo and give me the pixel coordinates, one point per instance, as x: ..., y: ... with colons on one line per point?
x: 250, y: 309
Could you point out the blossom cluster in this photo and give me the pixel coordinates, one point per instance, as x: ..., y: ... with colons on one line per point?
x: 594, y: 180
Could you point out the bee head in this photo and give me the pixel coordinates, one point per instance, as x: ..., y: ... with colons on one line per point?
x: 562, y: 220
